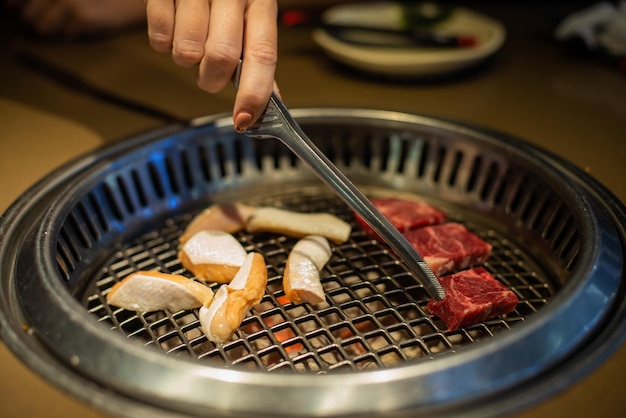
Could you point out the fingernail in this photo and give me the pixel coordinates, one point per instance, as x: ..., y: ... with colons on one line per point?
x: 243, y: 121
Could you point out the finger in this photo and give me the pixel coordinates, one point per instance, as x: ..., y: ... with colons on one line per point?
x: 190, y: 31
x: 259, y: 63
x: 223, y: 45
x: 160, y: 18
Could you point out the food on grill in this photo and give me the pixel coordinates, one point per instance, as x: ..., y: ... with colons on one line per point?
x: 404, y: 214
x: 301, y: 278
x: 149, y: 291
x: 221, y: 318
x: 448, y: 247
x: 472, y: 296
x: 212, y: 256
x: 227, y: 217
x: 298, y: 225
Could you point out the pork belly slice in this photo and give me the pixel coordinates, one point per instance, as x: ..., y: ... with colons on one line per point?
x: 298, y: 224
x: 301, y: 279
x: 212, y: 256
x: 448, y: 247
x: 404, y: 214
x: 148, y: 291
x: 226, y: 217
x: 221, y: 318
x: 472, y: 296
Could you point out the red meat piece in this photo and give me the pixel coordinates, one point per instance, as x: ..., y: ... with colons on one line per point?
x: 448, y: 247
x: 405, y: 214
x: 472, y: 296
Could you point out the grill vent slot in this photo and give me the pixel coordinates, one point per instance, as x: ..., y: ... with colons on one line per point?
x: 75, y: 228
x: 65, y: 263
x: 501, y: 186
x: 528, y: 206
x: 87, y: 219
x: 404, y: 147
x: 222, y: 159
x: 345, y: 150
x: 125, y: 195
x: 81, y: 232
x: 554, y: 222
x: 414, y: 149
x: 238, y: 155
x: 560, y: 229
x: 517, y: 192
x: 386, y: 151
x: 538, y: 217
x: 139, y: 189
x: 92, y: 206
x: 568, y: 246
x: 157, y: 183
x: 67, y: 255
x: 489, y: 180
x: 366, y: 153
x: 474, y: 174
x: 272, y: 155
x: 205, y: 164
x: 187, y: 169
x: 397, y: 153
x: 214, y: 167
x: 171, y: 174
x: 423, y: 160
x: 440, y: 159
x: 455, y: 165
x: 115, y: 208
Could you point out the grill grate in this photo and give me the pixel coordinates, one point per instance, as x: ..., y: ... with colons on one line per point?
x: 374, y: 315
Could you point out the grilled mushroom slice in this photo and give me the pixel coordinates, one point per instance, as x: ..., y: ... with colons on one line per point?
x: 212, y: 256
x: 221, y: 318
x: 298, y: 225
x: 301, y: 278
x: 149, y: 291
x: 227, y: 217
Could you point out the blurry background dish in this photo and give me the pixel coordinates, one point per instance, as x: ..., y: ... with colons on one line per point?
x: 368, y: 52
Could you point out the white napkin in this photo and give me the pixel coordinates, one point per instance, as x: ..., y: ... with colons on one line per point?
x: 601, y: 27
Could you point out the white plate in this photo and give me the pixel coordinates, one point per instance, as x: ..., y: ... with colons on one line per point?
x: 410, y: 61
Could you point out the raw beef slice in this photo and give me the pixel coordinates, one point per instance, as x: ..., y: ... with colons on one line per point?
x: 472, y: 296
x: 448, y: 247
x: 405, y: 214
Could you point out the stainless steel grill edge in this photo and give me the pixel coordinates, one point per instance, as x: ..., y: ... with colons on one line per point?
x: 550, y: 220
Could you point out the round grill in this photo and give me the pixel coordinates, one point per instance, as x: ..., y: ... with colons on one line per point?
x: 372, y: 346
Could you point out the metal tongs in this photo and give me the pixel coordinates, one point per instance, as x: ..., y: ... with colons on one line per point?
x: 276, y: 122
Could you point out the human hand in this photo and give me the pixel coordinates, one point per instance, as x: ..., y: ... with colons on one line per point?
x: 214, y: 35
x: 73, y: 18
